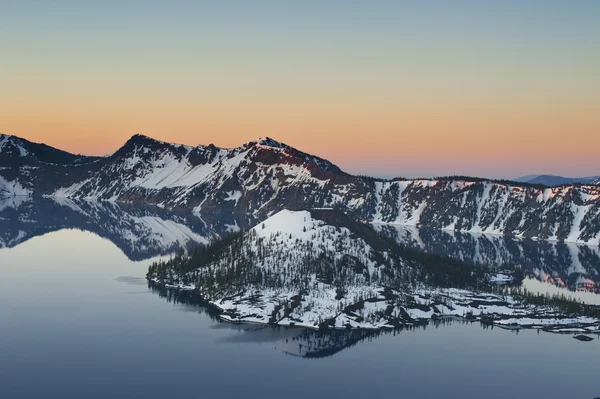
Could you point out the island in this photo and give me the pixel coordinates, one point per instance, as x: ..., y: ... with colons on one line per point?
x: 321, y: 269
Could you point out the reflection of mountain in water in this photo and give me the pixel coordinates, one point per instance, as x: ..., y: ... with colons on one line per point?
x: 145, y: 232
x: 322, y: 343
x: 140, y: 232
x: 295, y: 341
x: 569, y: 265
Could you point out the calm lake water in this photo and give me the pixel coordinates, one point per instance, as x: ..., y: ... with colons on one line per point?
x: 77, y: 320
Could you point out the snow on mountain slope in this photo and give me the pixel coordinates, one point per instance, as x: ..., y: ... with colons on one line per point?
x: 200, y: 178
x: 24, y: 152
x: 12, y: 189
x: 270, y: 176
x: 262, y: 177
x: 11, y: 144
x: 320, y: 269
x: 294, y: 254
x: 563, y: 213
x: 34, y: 169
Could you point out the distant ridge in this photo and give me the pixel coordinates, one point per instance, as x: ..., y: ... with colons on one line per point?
x: 553, y: 180
x: 15, y: 148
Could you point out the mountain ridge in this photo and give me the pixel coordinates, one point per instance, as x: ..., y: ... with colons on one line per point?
x: 268, y: 142
x: 555, y: 180
x: 320, y: 269
x: 145, y: 232
x: 265, y: 176
x: 14, y: 146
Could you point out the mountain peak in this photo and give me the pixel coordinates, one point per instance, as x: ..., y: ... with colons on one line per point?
x: 13, y: 144
x: 269, y: 142
x: 18, y: 148
x: 138, y: 137
x: 4, y: 138
x: 144, y: 140
x: 554, y: 180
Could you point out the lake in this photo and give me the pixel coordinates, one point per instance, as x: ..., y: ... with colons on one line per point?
x: 78, y: 320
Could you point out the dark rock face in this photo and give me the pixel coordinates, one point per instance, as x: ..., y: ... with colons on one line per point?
x: 263, y: 177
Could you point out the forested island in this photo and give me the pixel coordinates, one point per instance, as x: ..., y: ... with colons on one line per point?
x: 321, y: 269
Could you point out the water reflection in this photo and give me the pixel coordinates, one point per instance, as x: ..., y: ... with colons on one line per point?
x: 297, y: 341
x: 145, y: 232
x: 566, y: 265
x: 140, y: 232
x: 72, y: 328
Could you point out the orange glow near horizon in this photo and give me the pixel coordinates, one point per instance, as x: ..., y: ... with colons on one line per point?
x: 437, y: 139
x: 498, y: 90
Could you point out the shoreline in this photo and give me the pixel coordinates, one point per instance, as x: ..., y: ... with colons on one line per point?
x: 511, y: 316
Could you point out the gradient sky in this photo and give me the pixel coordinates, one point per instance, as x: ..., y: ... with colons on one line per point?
x: 389, y: 88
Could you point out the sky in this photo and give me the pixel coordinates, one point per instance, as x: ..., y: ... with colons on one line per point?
x: 386, y: 88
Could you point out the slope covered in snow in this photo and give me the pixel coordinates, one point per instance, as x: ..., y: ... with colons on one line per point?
x: 260, y: 178
x: 12, y: 189
x: 267, y: 176
x: 320, y: 269
x: 199, y: 178
x: 569, y: 213
x: 15, y: 149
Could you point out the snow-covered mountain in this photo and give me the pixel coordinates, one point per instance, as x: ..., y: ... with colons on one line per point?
x: 143, y: 232
x: 321, y: 269
x: 33, y: 169
x: 292, y: 257
x: 18, y: 151
x: 201, y: 178
x: 263, y: 177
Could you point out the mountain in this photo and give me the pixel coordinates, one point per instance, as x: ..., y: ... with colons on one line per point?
x: 262, y: 177
x: 321, y: 269
x: 553, y: 180
x: 143, y: 232
x: 33, y: 169
x: 201, y: 178
x: 16, y: 150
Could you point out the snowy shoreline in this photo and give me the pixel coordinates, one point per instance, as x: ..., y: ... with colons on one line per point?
x: 320, y: 269
x: 488, y: 309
